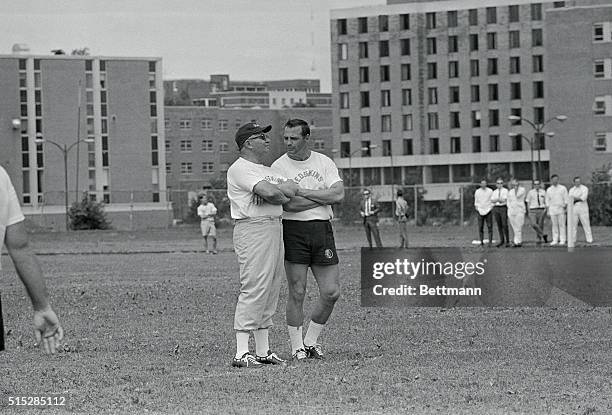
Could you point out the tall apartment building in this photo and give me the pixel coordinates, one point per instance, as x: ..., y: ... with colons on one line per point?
x: 427, y: 88
x: 200, y: 143
x: 113, y: 107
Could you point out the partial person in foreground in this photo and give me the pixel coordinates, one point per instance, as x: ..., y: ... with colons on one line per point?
x: 47, y: 328
x: 401, y: 213
x: 516, y: 211
x: 536, y: 203
x: 556, y: 200
x: 207, y: 212
x: 368, y: 209
x: 256, y: 193
x: 578, y: 195
x: 308, y: 236
x: 483, y: 205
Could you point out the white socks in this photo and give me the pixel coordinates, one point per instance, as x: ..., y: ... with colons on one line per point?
x: 312, y: 334
x: 295, y: 335
x: 261, y: 342
x: 242, y: 343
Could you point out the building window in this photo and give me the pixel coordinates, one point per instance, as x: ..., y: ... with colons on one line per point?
x: 385, y: 123
x: 405, y: 71
x: 407, y: 147
x: 362, y: 24
x: 432, y: 94
x: 455, y: 145
x: 341, y: 26
x: 476, y: 119
x: 538, y: 89
x: 558, y: 4
x: 599, y: 108
x: 513, y: 14
x: 365, y: 99
x: 514, y: 39
x: 430, y: 20
x: 345, y: 125
x: 207, y: 145
x: 598, y: 32
x: 491, y: 15
x: 405, y: 22
x: 492, y: 41
x: 168, y: 168
x: 475, y: 93
x: 383, y: 23
x: 432, y: 70
x: 186, y: 146
x: 455, y: 121
x: 208, y: 167
x: 186, y: 168
x: 206, y: 124
x: 492, y: 68
x: 538, y: 63
x: 345, y: 149
x: 453, y: 69
x: 368, y: 151
x: 517, y: 143
x: 515, y: 90
x: 365, y: 124
x: 476, y: 144
x: 385, y: 98
x: 344, y: 100
x: 537, y: 38
x: 493, y: 143
x: 538, y: 115
x: 451, y: 18
x: 319, y: 144
x: 473, y: 42
x: 453, y: 94
x: 516, y: 112
x: 453, y: 44
x: 342, y: 51
x: 494, y: 118
x: 385, y: 73
x: 407, y: 122
x: 600, y: 142
x: 599, y: 69
x: 405, y: 47
x: 383, y: 48
x: 386, y: 148
x: 515, y: 64
x: 363, y: 50
x: 432, y: 120
x: 474, y: 68
x: 185, y: 124
x: 364, y: 74
x: 343, y: 76
x: 473, y: 17
x: 536, y: 11
x: 434, y: 145
x: 493, y: 92
x: 223, y: 147
x: 432, y: 47
x: 406, y: 96
x: 223, y: 125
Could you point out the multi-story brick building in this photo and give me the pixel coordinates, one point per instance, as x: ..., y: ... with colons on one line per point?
x: 429, y: 88
x: 113, y: 107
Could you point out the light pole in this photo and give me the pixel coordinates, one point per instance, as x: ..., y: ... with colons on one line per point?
x: 65, y: 149
x: 530, y: 141
x: 539, y: 135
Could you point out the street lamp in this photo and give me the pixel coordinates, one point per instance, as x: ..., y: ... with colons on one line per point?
x: 539, y: 132
x: 65, y: 149
x: 530, y: 141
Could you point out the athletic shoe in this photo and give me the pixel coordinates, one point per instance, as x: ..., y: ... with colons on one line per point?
x: 247, y: 360
x: 214, y: 252
x: 553, y: 243
x: 207, y: 251
x: 271, y: 359
x: 299, y: 354
x: 508, y: 244
x: 545, y: 239
x: 314, y: 352
x: 499, y: 245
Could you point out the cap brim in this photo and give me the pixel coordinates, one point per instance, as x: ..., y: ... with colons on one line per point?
x: 266, y: 129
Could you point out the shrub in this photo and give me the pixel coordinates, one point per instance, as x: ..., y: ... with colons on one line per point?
x: 87, y: 214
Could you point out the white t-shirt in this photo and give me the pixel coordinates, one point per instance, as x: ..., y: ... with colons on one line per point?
x: 10, y: 211
x: 208, y: 209
x: 556, y: 199
x: 317, y: 172
x: 482, y: 200
x: 242, y: 176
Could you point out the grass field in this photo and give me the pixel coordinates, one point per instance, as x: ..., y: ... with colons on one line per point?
x: 148, y: 323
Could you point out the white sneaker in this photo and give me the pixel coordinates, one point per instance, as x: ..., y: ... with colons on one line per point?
x: 553, y: 243
x: 562, y: 243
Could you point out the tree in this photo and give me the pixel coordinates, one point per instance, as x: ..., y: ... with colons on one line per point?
x: 87, y: 214
x: 80, y: 52
x: 600, y: 197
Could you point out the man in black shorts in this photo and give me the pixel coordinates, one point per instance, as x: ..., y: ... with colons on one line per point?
x: 308, y: 236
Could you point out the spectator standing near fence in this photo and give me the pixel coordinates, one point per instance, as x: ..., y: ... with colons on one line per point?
x: 536, y: 203
x: 484, y: 206
x: 578, y: 195
x: 207, y: 212
x: 516, y: 211
x: 401, y: 212
x: 500, y: 212
x: 368, y: 209
x: 556, y: 200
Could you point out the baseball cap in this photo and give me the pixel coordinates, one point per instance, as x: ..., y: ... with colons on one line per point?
x: 247, y: 130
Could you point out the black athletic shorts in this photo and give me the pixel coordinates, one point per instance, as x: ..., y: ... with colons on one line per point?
x: 309, y: 242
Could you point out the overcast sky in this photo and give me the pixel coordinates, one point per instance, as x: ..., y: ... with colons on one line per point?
x: 249, y: 39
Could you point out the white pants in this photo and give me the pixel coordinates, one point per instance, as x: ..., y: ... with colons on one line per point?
x: 517, y: 220
x: 558, y: 228
x: 581, y: 212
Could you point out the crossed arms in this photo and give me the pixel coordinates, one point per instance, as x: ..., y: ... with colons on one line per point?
x: 305, y: 199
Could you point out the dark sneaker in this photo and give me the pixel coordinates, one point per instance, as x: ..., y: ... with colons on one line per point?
x: 299, y: 354
x: 214, y: 252
x: 545, y: 238
x: 314, y: 352
x: 499, y: 245
x: 247, y: 360
x: 271, y: 359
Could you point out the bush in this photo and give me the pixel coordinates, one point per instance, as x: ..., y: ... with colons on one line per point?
x: 600, y: 198
x: 87, y: 214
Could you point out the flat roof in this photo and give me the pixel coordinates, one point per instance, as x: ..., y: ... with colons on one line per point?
x: 81, y: 57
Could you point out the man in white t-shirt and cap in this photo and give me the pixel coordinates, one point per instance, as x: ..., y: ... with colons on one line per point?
x: 308, y: 236
x: 207, y: 212
x: 484, y: 206
x: 257, y: 193
x: 47, y: 328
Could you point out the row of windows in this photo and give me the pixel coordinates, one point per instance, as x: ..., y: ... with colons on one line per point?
x: 432, y: 44
x: 208, y: 167
x: 432, y: 71
x: 452, y: 18
x: 186, y: 146
x: 433, y: 120
x: 205, y: 124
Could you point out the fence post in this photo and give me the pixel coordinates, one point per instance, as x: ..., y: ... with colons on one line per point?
x: 131, y: 210
x: 461, y: 204
x: 416, y: 209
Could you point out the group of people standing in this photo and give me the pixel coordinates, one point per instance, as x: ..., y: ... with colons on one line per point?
x: 513, y: 205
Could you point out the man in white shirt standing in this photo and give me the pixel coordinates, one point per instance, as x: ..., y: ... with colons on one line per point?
x: 483, y: 205
x: 536, y: 203
x: 47, y: 328
x: 207, y: 212
x: 556, y: 200
x: 256, y: 193
x: 309, y: 237
x: 516, y: 211
x: 500, y: 212
x: 578, y: 195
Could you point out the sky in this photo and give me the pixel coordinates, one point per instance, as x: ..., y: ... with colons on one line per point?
x: 248, y: 39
